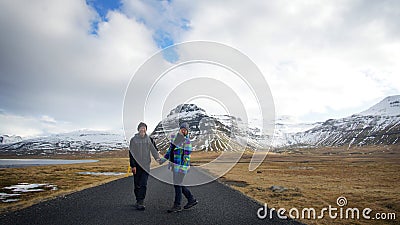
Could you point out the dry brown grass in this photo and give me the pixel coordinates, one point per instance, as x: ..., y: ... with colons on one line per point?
x: 367, y: 177
x: 64, y: 176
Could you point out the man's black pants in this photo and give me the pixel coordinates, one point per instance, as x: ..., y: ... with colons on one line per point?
x: 140, y: 183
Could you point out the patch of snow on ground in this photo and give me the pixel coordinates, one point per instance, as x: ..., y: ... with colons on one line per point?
x: 101, y: 173
x: 19, y: 189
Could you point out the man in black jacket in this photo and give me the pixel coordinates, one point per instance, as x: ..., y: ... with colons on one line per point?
x: 140, y: 147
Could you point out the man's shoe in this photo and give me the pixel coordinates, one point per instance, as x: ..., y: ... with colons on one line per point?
x: 140, y: 205
x: 175, y: 208
x: 190, y: 204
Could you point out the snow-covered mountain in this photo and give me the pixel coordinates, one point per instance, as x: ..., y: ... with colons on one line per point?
x: 390, y: 106
x: 64, y: 143
x: 286, y: 127
x: 5, y: 139
x: 380, y: 124
x: 207, y: 133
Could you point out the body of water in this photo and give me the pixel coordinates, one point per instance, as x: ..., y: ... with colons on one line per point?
x: 14, y: 163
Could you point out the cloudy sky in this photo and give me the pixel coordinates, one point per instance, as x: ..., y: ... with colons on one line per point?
x: 65, y: 65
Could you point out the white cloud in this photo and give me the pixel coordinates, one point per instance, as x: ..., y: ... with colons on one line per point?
x: 48, y: 119
x: 51, y: 65
x: 314, y: 54
x: 169, y: 18
x: 321, y: 59
x: 29, y: 126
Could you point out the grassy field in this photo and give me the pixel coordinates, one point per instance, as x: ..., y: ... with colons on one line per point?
x: 367, y: 177
x: 64, y: 176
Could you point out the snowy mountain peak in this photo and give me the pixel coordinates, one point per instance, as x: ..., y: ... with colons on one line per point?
x: 390, y: 106
x: 185, y: 108
x: 208, y: 133
x: 5, y: 139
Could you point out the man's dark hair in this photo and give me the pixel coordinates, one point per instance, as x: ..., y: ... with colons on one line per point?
x: 141, y: 124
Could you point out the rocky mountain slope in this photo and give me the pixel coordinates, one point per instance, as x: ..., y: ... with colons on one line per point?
x: 6, y: 139
x: 207, y: 133
x: 377, y: 125
x: 64, y: 143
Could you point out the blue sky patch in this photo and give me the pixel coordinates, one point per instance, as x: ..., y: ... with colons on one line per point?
x: 102, y: 7
x: 162, y: 36
x: 164, y: 40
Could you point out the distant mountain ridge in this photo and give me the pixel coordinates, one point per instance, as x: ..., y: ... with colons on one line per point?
x: 378, y: 125
x: 65, y: 143
x: 6, y: 139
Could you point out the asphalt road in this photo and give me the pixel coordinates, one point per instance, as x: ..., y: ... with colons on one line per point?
x: 112, y: 203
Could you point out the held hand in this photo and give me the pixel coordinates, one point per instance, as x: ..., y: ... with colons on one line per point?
x: 134, y: 170
x: 161, y: 161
